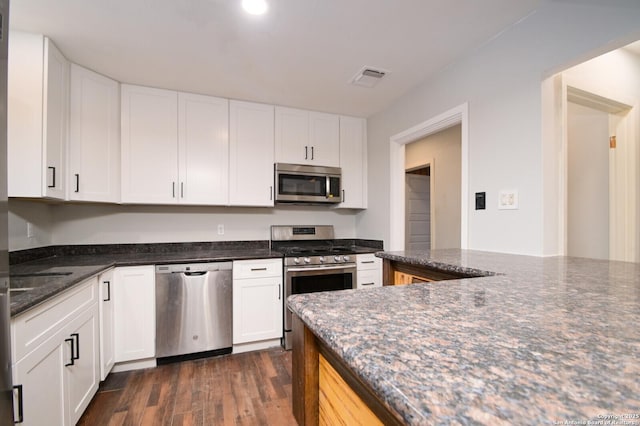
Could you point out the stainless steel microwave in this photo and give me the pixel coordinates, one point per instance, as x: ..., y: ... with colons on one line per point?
x: 298, y: 183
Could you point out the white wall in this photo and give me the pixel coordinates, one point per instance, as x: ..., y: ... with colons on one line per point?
x: 501, y: 80
x: 38, y: 214
x: 445, y: 149
x: 588, y: 182
x: 111, y: 224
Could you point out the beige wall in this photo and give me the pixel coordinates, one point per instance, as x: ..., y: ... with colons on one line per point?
x: 445, y: 150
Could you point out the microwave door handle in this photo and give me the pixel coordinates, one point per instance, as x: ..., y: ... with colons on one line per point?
x: 328, y: 187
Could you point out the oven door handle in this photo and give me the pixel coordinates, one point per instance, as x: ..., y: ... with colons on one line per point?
x: 322, y: 268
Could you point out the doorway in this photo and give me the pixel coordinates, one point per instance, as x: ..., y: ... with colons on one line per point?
x: 418, y: 225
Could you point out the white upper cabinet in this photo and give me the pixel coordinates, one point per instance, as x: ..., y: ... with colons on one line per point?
x: 94, y: 140
x: 353, y: 161
x: 307, y: 137
x: 250, y: 154
x: 38, y: 113
x: 203, y: 153
x: 149, y: 145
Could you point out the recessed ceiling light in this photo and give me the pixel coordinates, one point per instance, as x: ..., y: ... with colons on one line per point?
x: 255, y: 7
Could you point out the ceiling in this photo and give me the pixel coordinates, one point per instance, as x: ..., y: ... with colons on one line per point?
x: 302, y: 53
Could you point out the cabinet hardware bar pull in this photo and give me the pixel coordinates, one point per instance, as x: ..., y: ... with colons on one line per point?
x: 368, y: 283
x: 173, y: 189
x: 108, y: 283
x: 72, y: 351
x: 53, y: 177
x: 182, y: 189
x: 258, y: 269
x: 343, y: 197
x: 312, y: 153
x: 306, y: 153
x: 77, y: 182
x: 77, y: 336
x: 271, y: 193
x: 368, y: 261
x: 20, y: 404
x: 279, y: 294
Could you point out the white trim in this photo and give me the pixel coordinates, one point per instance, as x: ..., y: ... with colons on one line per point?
x: 450, y: 118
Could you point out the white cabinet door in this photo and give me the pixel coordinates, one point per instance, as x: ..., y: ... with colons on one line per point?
x: 94, y: 140
x: 107, y: 354
x: 41, y: 378
x: 292, y: 136
x: 149, y: 145
x: 203, y: 138
x: 257, y: 309
x: 135, y: 313
x: 353, y: 161
x: 324, y: 138
x: 250, y: 154
x: 83, y: 376
x: 55, y: 118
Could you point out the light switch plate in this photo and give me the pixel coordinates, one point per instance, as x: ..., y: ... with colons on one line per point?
x: 508, y: 200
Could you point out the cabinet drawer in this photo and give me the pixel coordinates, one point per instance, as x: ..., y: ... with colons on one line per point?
x: 369, y: 278
x: 368, y: 261
x: 257, y: 268
x: 35, y: 326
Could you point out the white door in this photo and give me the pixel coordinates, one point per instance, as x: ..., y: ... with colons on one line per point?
x: 203, y: 140
x: 83, y: 377
x: 353, y: 152
x: 292, y: 136
x: 135, y: 313
x: 107, y: 354
x: 324, y: 139
x: 149, y: 145
x: 94, y: 144
x: 257, y: 309
x: 251, y: 154
x: 417, y: 211
x: 55, y: 119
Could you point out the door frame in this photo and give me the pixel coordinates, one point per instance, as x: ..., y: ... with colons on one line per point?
x: 397, y: 142
x: 607, y: 100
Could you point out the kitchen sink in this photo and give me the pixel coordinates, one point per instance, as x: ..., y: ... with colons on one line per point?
x: 41, y: 274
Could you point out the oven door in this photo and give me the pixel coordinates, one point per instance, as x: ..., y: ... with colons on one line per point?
x: 300, y: 280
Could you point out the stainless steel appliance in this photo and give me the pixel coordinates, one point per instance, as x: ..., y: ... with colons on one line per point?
x: 297, y: 183
x: 6, y: 393
x: 193, y: 309
x: 313, y: 262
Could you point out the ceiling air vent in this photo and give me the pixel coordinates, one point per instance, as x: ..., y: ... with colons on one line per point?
x: 368, y: 77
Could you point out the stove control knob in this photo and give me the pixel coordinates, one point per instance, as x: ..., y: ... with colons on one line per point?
x: 321, y: 259
x: 296, y: 260
x: 307, y: 260
x: 345, y: 258
x: 336, y: 258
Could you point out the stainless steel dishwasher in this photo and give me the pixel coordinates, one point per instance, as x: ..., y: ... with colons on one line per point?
x: 193, y: 309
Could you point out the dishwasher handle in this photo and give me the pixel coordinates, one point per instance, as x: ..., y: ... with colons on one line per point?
x: 195, y: 274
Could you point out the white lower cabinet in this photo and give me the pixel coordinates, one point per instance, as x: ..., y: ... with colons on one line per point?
x: 369, y: 271
x: 134, y: 297
x: 107, y: 343
x: 257, y: 301
x: 57, y: 377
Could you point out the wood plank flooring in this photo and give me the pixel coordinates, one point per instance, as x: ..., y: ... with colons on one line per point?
x: 245, y: 389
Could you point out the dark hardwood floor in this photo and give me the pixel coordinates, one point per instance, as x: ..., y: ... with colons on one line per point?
x: 246, y: 389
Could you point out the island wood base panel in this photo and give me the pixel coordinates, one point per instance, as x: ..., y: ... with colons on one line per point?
x: 325, y: 391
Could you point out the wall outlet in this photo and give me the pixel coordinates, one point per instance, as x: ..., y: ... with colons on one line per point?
x: 508, y: 200
x: 220, y: 229
x: 29, y: 230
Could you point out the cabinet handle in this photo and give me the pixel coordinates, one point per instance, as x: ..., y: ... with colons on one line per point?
x: 343, y: 197
x: 271, y: 193
x: 312, y: 153
x: 72, y: 351
x: 77, y: 182
x: 368, y: 261
x: 368, y: 284
x: 53, y: 177
x: 108, y: 283
x: 77, y: 336
x: 173, y: 189
x: 20, y: 405
x: 258, y: 269
x: 306, y: 153
x: 182, y: 189
x: 279, y: 293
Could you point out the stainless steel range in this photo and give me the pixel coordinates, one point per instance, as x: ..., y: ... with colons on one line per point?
x: 313, y: 262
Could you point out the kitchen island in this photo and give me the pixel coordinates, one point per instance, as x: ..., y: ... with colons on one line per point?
x: 543, y: 340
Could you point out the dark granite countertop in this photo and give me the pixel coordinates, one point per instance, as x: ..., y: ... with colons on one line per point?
x: 545, y: 340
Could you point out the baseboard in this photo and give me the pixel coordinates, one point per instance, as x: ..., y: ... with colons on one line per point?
x: 255, y: 346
